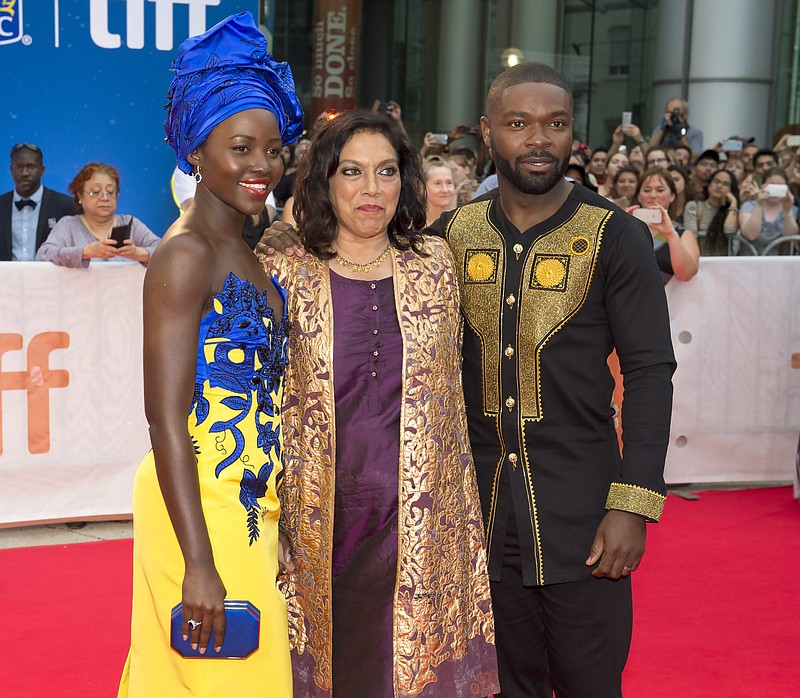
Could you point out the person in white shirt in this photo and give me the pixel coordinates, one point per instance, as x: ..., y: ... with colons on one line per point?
x: 30, y: 210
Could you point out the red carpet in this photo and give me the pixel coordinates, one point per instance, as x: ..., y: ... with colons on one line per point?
x: 717, y: 599
x: 717, y: 607
x: 66, y: 613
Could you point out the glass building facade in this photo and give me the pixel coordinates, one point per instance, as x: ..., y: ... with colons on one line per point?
x: 736, y: 61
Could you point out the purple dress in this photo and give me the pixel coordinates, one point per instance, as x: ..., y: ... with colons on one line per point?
x: 368, y: 364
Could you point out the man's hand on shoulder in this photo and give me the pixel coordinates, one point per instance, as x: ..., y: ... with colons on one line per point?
x: 280, y: 237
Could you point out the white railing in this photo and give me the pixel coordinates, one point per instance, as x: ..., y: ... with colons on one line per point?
x: 72, y: 427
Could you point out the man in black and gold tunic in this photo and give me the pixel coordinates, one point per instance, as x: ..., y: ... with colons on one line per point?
x: 553, y: 277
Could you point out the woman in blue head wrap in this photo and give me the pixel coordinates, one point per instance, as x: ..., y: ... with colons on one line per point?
x: 205, y: 503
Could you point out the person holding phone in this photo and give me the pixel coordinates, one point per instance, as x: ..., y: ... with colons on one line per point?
x: 764, y: 159
x: 771, y: 214
x: 677, y: 252
x: 392, y: 109
x: 463, y: 176
x: 623, y: 130
x: 98, y: 231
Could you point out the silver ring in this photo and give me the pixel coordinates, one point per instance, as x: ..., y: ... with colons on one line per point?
x: 194, y: 623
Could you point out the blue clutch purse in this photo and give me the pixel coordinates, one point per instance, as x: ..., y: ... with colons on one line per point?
x: 242, y: 625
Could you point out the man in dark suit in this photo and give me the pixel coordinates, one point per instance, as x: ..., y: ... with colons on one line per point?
x: 30, y: 210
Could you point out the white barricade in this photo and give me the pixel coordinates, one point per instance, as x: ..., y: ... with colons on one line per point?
x: 736, y: 332
x: 72, y: 427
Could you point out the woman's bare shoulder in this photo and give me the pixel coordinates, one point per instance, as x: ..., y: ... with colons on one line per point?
x: 182, y: 262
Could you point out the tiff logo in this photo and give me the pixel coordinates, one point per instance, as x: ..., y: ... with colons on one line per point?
x: 103, y: 37
x: 37, y: 380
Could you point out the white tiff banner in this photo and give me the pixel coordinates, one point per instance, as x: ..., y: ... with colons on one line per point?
x: 72, y: 426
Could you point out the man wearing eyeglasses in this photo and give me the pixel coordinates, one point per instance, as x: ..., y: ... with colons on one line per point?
x: 30, y: 210
x: 657, y: 157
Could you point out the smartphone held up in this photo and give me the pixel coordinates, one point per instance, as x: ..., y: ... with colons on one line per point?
x: 777, y: 191
x: 732, y: 145
x: 648, y: 215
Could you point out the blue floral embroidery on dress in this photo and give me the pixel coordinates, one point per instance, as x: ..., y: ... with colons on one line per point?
x: 260, y: 351
x: 199, y: 404
x: 251, y: 489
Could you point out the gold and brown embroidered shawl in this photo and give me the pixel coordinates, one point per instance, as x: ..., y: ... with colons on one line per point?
x: 443, y: 626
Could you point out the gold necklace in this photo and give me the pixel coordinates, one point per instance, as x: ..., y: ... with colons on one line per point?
x: 364, y: 268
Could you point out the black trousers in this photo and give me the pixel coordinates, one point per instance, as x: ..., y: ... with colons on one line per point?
x: 571, y: 638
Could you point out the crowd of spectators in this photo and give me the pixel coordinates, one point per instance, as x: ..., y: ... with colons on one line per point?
x: 733, y: 199
x: 736, y: 198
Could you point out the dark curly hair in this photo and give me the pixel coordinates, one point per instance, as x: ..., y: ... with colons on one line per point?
x: 313, y: 210
x: 716, y: 240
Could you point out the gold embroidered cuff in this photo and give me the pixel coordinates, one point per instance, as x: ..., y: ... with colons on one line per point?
x: 636, y: 500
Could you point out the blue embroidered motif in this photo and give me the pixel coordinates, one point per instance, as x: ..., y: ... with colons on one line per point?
x: 249, y: 362
x: 199, y: 404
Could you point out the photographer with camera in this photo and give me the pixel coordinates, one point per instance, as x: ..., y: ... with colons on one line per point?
x: 392, y: 110
x: 675, y: 130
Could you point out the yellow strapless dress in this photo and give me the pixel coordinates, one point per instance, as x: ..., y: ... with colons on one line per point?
x: 235, y: 425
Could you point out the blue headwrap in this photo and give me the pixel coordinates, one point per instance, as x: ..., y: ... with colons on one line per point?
x: 224, y: 71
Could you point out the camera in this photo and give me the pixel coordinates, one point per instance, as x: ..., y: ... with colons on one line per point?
x: 676, y: 124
